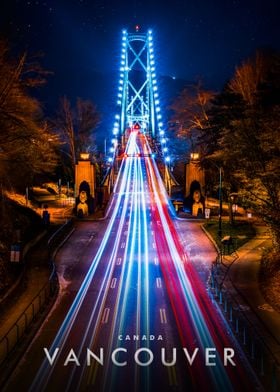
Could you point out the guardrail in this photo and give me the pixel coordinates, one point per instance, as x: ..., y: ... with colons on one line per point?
x: 39, y: 303
x: 263, y: 360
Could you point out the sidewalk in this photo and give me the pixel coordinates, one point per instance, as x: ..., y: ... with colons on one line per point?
x: 234, y: 286
x: 36, y: 275
x: 37, y: 272
x: 239, y: 273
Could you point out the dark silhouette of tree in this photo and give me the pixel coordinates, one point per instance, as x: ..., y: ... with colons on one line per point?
x: 76, y: 126
x: 244, y: 127
x: 191, y: 113
x: 27, y: 146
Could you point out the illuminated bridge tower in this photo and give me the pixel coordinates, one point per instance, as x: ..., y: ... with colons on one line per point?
x: 138, y: 103
x: 138, y: 95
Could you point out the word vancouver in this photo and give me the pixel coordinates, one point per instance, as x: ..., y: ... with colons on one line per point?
x: 144, y: 356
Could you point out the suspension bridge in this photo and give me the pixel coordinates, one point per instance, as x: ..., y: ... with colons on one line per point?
x: 141, y: 319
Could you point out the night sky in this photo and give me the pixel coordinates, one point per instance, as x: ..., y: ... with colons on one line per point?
x: 81, y: 39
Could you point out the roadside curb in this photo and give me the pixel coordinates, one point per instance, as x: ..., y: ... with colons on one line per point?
x: 210, y: 238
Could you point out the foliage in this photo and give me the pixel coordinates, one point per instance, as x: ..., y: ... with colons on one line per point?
x: 244, y: 127
x: 191, y: 113
x: 26, y: 142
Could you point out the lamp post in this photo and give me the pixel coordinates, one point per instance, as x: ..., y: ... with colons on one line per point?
x: 220, y: 203
x: 220, y: 200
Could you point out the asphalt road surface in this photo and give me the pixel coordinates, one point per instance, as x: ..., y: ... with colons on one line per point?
x: 139, y: 317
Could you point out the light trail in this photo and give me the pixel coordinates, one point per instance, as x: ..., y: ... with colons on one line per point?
x: 44, y: 372
x: 147, y: 282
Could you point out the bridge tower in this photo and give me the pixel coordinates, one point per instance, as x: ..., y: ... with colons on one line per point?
x: 138, y: 104
x: 138, y: 96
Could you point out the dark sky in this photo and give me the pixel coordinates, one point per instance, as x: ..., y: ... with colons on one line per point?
x: 81, y: 39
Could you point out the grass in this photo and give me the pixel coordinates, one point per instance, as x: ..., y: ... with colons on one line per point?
x: 240, y: 232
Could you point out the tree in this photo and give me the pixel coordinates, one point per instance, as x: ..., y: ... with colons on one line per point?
x: 76, y: 129
x: 25, y: 139
x: 191, y: 114
x: 246, y: 119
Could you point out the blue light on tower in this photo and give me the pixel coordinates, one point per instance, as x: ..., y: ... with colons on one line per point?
x: 138, y: 103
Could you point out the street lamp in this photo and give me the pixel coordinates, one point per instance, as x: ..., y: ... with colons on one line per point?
x: 220, y: 199
x: 220, y: 203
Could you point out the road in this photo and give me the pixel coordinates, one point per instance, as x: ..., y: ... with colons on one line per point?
x: 141, y: 320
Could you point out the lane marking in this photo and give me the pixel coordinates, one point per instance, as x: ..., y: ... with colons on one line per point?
x: 159, y: 285
x: 152, y: 232
x: 96, y: 367
x: 163, y: 318
x: 154, y: 245
x: 172, y: 376
x: 119, y: 261
x: 156, y: 260
x: 113, y: 283
x: 105, y: 316
x: 123, y: 245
